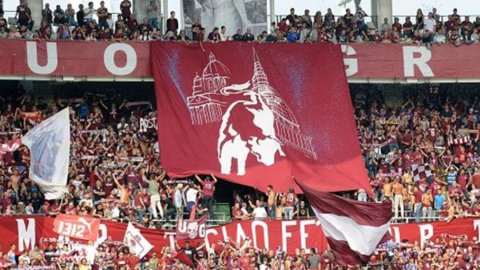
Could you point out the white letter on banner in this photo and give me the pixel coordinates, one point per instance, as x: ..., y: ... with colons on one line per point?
x: 109, y: 59
x: 102, y: 234
x: 208, y: 232
x: 303, y: 233
x: 396, y: 233
x: 351, y: 63
x: 240, y: 233
x: 32, y: 58
x: 286, y: 234
x: 426, y: 231
x: 264, y: 226
x: 26, y: 234
x: 476, y: 226
x: 409, y: 61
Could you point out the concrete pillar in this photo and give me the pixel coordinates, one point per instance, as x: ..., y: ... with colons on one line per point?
x: 36, y: 7
x: 272, y: 12
x: 140, y: 9
x: 382, y: 9
x: 166, y: 14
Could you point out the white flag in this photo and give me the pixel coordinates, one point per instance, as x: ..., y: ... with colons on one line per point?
x: 135, y: 241
x: 49, y: 144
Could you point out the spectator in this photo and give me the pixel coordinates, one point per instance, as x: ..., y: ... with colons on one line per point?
x: 191, y: 193
x: 223, y: 34
x: 329, y: 20
x: 125, y: 10
x: 259, y: 210
x: 398, y: 191
x: 293, y: 36
x: 214, y: 36
x: 142, y: 205
x: 208, y: 187
x: 47, y: 15
x: 427, y: 204
x: 178, y: 200
x: 24, y: 15
x: 439, y: 200
x: 408, y: 28
x: 302, y: 211
x: 290, y: 202
x: 14, y: 34
x: 248, y: 36
x: 102, y: 13
x: 419, y: 20
x: 182, y: 36
x: 238, y: 35
x: 292, y: 18
x: 385, y: 27
x: 172, y: 23
x: 152, y: 13
x: 88, y: 13
x: 58, y: 15
x: 306, y: 19
x: 80, y: 15
x: 70, y: 16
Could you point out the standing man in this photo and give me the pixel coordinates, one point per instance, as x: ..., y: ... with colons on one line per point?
x: 172, y: 23
x: 23, y: 14
x: 125, y: 9
x: 153, y: 187
x: 178, y: 200
x: 271, y: 198
x: 80, y: 16
x: 208, y: 186
x: 102, y: 13
x: 152, y: 12
x: 398, y: 197
x: 88, y: 12
x: 47, y: 15
x: 142, y: 204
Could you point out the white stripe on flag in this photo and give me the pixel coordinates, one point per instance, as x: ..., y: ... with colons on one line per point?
x: 361, y: 238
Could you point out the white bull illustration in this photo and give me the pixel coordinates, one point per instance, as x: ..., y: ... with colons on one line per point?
x: 247, y: 127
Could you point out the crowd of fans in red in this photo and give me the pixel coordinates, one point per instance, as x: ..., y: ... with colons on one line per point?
x: 69, y: 24
x: 115, y: 174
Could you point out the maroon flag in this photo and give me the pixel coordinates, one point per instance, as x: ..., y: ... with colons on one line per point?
x: 191, y: 229
x: 256, y: 114
x: 353, y: 229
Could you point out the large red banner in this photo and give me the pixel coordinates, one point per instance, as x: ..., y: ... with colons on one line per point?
x: 25, y: 231
x: 364, y: 62
x: 254, y: 114
x: 79, y: 59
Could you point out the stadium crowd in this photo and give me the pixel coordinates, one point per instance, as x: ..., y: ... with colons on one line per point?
x: 68, y: 23
x: 115, y: 175
x: 422, y: 154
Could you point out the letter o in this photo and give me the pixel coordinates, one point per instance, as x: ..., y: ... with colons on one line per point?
x: 109, y: 59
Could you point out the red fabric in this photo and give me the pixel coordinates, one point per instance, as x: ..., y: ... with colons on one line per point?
x: 292, y: 233
x: 344, y: 255
x: 363, y: 61
x: 214, y: 120
x: 184, y: 227
x: 362, y: 213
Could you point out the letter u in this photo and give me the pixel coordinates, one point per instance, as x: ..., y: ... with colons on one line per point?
x: 32, y: 58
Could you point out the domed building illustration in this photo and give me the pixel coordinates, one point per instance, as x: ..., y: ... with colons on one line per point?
x: 205, y: 106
